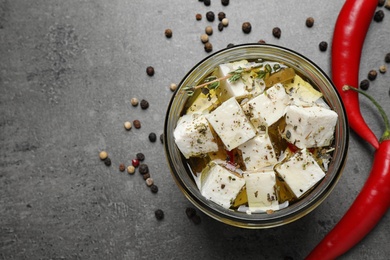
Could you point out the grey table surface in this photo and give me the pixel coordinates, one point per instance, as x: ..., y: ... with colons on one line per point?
x: 68, y: 70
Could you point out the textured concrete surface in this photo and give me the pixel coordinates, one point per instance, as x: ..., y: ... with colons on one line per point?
x: 68, y: 70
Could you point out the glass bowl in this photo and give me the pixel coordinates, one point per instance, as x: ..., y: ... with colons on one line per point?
x: 180, y: 169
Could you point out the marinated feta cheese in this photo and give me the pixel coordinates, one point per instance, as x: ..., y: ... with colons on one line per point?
x: 193, y: 135
x: 231, y: 124
x: 247, y: 85
x: 268, y: 107
x: 302, y: 92
x: 260, y: 188
x: 308, y: 127
x: 220, y: 185
x: 258, y: 153
x: 204, y: 103
x: 300, y: 172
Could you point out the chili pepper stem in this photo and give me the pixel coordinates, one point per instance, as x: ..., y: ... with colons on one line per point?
x: 386, y: 134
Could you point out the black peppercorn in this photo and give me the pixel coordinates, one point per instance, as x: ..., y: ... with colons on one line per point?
x: 378, y: 16
x: 276, y: 32
x: 381, y: 3
x: 152, y: 137
x: 162, y: 138
x: 168, y: 33
x: 364, y: 84
x: 190, y: 212
x: 323, y: 46
x: 230, y: 45
x: 206, y: 2
x: 246, y: 27
x: 140, y: 156
x: 150, y: 70
x: 387, y: 58
x: 372, y: 75
x: 220, y: 27
x: 221, y: 15
x: 144, y: 104
x: 154, y: 188
x: 196, y: 219
x: 208, y: 47
x: 210, y: 16
x: 143, y: 168
x: 225, y: 2
x: 146, y: 176
x: 107, y: 161
x: 310, y: 22
x: 137, y: 124
x: 159, y: 214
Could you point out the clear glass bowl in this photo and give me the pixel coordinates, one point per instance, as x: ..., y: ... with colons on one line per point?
x: 182, y: 174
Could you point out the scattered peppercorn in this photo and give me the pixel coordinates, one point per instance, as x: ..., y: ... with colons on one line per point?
x: 364, y: 84
x: 149, y: 182
x: 143, y: 169
x: 310, y: 22
x: 198, y: 17
x: 378, y: 16
x: 387, y: 58
x: 190, y: 212
x: 134, y: 102
x: 208, y: 47
x: 173, y: 87
x: 246, y: 27
x: 144, y: 104
x: 383, y: 69
x: 220, y: 27
x: 107, y: 161
x: 381, y: 3
x: 230, y: 45
x: 154, y: 188
x: 261, y: 41
x: 210, y: 16
x: 204, y: 38
x: 225, y: 22
x: 225, y: 2
x: 135, y: 162
x: 206, y: 2
x: 276, y: 32
x: 146, y: 176
x: 162, y: 138
x: 159, y: 214
x: 122, y: 167
x: 323, y: 46
x: 140, y: 157
x: 221, y: 16
x: 208, y: 30
x: 127, y: 125
x: 103, y: 155
x: 150, y: 70
x: 196, y: 219
x: 137, y: 124
x: 130, y: 169
x: 372, y: 75
x: 152, y: 137
x: 168, y: 33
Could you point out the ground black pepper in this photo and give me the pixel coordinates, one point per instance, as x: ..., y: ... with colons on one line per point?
x: 210, y: 16
x: 208, y: 47
x: 372, y: 75
x: 276, y: 32
x: 364, y: 84
x: 150, y: 70
x: 221, y: 15
x: 378, y: 16
x: 144, y: 104
x: 154, y: 188
x: 143, y: 168
x: 168, y: 33
x: 323, y: 46
x: 246, y: 27
x: 387, y: 58
x: 159, y: 214
x: 107, y: 161
x: 137, y: 124
x: 140, y: 157
x: 152, y: 137
x: 310, y: 22
x: 225, y: 2
x: 122, y: 167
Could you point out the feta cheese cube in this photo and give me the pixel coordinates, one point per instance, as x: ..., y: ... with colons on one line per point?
x: 302, y: 92
x: 248, y: 85
x: 268, y: 107
x: 220, y: 185
x: 260, y: 188
x: 204, y: 103
x: 300, y: 172
x: 310, y: 126
x: 193, y: 135
x: 231, y: 124
x: 258, y: 152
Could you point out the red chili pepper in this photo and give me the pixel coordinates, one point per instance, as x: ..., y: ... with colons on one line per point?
x: 370, y: 205
x: 350, y: 31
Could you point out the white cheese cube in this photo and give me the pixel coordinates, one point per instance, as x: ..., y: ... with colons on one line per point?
x: 193, y: 135
x: 267, y: 108
x: 260, y: 188
x: 258, y: 153
x: 231, y: 124
x: 300, y: 172
x: 308, y: 127
x: 247, y: 85
x: 220, y: 185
